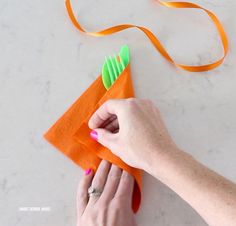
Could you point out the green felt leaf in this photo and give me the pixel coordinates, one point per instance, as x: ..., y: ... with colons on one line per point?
x: 112, y: 68
x: 125, y: 55
x: 106, y: 77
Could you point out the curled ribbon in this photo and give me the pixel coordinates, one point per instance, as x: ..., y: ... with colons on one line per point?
x: 155, y: 41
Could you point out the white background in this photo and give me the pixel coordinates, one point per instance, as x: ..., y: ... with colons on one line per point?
x: 45, y: 64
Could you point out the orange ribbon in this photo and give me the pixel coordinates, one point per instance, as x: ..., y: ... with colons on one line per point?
x: 155, y: 41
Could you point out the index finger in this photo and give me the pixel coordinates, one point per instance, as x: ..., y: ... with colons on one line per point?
x: 104, y: 112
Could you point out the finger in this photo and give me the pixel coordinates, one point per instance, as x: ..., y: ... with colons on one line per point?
x: 82, y: 193
x: 104, y: 112
x: 126, y: 186
x: 106, y: 138
x: 112, y: 125
x: 111, y: 185
x: 108, y: 121
x: 99, y: 179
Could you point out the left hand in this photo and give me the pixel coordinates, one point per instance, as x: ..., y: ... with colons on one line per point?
x: 113, y: 206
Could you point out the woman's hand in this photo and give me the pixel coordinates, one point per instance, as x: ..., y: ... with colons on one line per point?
x: 113, y: 206
x: 133, y: 130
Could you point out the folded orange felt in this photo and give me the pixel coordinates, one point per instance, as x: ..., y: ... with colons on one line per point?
x: 71, y: 135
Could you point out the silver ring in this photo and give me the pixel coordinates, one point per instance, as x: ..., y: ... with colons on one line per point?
x: 94, y: 192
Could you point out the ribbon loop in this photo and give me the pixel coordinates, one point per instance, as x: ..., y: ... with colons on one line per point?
x: 155, y: 41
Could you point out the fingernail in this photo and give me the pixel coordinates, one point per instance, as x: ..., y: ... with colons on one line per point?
x: 87, y: 172
x: 94, y: 135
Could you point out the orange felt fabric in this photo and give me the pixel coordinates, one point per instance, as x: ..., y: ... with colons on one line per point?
x: 71, y: 135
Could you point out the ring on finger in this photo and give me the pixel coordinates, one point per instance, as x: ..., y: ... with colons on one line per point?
x: 94, y: 192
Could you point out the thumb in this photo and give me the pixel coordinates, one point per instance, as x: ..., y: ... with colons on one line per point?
x: 104, y: 137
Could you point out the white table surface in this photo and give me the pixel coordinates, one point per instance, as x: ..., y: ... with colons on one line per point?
x: 45, y: 64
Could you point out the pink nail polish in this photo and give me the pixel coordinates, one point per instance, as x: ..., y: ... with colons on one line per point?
x: 87, y: 172
x: 94, y: 135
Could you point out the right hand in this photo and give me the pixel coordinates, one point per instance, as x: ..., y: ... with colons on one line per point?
x: 133, y: 130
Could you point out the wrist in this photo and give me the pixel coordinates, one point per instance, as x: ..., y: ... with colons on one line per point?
x: 161, y: 161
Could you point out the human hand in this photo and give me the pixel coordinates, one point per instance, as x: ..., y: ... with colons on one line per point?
x: 113, y: 206
x: 133, y: 130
